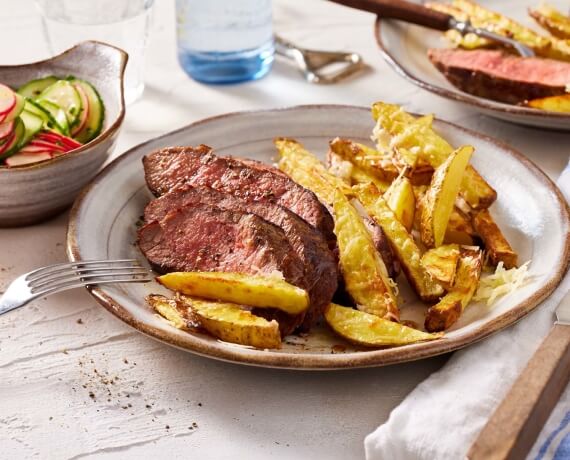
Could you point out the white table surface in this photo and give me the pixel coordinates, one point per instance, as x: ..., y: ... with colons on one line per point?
x: 75, y: 382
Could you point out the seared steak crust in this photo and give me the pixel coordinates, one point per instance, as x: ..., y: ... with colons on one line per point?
x: 502, y: 77
x: 207, y: 238
x: 166, y: 168
x: 320, y: 268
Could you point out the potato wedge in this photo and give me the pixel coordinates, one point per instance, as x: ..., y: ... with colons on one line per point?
x: 369, y: 160
x: 371, y: 331
x: 365, y: 275
x: 479, y: 16
x: 459, y: 229
x: 401, y: 199
x: 552, y: 104
x: 359, y: 176
x: 441, y: 263
x: 447, y: 311
x: 181, y: 317
x: 352, y: 174
x: 395, y: 124
x: 232, y: 323
x: 307, y: 170
x: 552, y: 20
x: 496, y: 245
x: 403, y: 244
x: 240, y: 288
x: 439, y: 199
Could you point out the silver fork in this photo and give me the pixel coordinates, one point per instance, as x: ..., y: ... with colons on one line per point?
x: 60, y: 277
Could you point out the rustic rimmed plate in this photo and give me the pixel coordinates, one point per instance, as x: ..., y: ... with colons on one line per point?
x: 405, y: 46
x: 530, y: 210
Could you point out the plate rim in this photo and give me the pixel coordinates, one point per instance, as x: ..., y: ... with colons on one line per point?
x: 456, y: 94
x: 315, y: 361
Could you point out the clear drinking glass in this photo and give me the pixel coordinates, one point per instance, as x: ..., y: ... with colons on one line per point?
x: 123, y: 23
x: 225, y: 41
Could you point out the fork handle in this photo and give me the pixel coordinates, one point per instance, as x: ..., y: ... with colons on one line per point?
x: 403, y: 11
x: 512, y: 430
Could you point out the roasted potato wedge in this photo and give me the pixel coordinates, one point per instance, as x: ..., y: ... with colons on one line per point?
x: 359, y: 176
x: 181, y: 317
x: 552, y: 20
x: 447, y: 311
x: 232, y: 323
x: 401, y: 199
x: 339, y: 167
x: 479, y: 16
x: 240, y: 288
x: 496, y: 245
x: 371, y: 161
x: 365, y: 275
x: 439, y: 199
x: 553, y: 103
x: 459, y: 229
x: 403, y: 244
x: 394, y: 123
x: 441, y: 263
x: 307, y: 170
x: 371, y: 331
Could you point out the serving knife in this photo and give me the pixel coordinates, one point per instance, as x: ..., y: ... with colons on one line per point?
x: 420, y: 15
x: 512, y: 430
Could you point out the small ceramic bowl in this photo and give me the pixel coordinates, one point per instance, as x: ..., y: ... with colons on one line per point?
x: 35, y: 192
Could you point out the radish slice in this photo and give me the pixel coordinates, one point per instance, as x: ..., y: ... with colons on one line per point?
x: 8, y: 143
x: 21, y: 158
x: 7, y: 99
x: 39, y: 149
x: 59, y: 138
x: 84, y: 111
x: 6, y: 129
x: 48, y: 145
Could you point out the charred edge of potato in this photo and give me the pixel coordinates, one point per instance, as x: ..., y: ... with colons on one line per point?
x: 254, y: 290
x: 365, y: 274
x: 368, y: 330
x: 448, y: 310
x: 233, y: 323
x: 496, y: 245
x: 459, y: 229
x: 180, y: 317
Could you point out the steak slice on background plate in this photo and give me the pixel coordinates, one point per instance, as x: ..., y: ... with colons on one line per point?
x: 502, y: 77
x: 198, y: 166
x: 320, y: 266
x: 207, y: 238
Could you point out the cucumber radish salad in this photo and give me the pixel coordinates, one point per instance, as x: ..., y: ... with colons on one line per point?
x: 46, y: 118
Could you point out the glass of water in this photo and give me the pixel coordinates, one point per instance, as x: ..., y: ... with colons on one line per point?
x: 123, y: 23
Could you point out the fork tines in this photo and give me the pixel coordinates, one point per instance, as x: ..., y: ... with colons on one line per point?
x: 67, y: 275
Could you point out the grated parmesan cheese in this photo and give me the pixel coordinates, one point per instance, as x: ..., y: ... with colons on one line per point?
x: 501, y: 282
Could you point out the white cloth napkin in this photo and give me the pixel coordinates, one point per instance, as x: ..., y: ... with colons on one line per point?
x: 443, y: 415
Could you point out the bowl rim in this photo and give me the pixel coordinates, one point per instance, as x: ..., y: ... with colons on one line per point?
x: 456, y: 94
x: 108, y: 132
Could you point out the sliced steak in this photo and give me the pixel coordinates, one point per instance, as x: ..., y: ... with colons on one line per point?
x: 502, y: 77
x: 206, y: 238
x: 320, y: 267
x: 166, y: 168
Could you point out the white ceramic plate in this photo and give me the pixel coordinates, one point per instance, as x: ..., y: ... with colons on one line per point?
x: 529, y: 209
x: 405, y: 46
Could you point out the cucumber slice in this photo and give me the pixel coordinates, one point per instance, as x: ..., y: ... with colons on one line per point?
x: 32, y: 123
x: 37, y: 109
x: 34, y: 88
x: 58, y: 115
x: 96, y: 113
x: 64, y: 94
x: 16, y: 141
x: 16, y: 110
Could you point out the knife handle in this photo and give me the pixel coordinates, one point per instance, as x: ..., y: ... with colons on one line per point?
x: 403, y: 11
x: 512, y: 430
